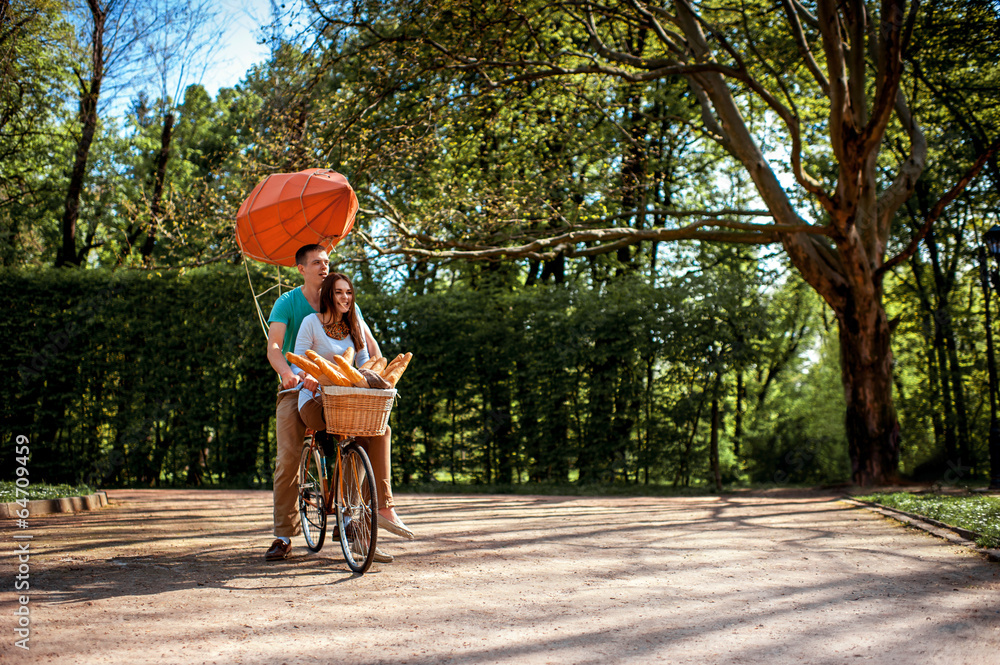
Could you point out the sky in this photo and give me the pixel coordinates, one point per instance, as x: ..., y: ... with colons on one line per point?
x: 241, y: 20
x: 237, y: 51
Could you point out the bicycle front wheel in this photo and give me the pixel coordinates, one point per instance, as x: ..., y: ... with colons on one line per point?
x: 357, y: 507
x: 312, y: 503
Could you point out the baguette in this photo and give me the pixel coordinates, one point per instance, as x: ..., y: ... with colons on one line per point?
x: 379, y: 365
x: 353, y: 375
x: 304, y: 364
x: 369, y: 363
x: 329, y: 370
x: 332, y: 370
x: 349, y: 355
x: 396, y: 370
x: 390, y: 364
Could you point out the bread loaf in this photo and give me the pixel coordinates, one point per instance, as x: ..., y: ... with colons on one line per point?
x: 329, y: 370
x: 333, y: 371
x: 353, y: 375
x: 391, y: 363
x: 349, y: 355
x: 379, y: 365
x: 304, y: 364
x: 374, y: 380
x: 396, y: 369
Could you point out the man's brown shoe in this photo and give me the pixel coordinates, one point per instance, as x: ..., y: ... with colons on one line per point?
x: 279, y: 550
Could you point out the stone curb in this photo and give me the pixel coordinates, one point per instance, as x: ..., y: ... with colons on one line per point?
x: 69, y: 504
x: 952, y: 534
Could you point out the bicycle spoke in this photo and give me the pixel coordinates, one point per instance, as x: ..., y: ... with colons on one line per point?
x: 356, y: 508
x: 312, y: 506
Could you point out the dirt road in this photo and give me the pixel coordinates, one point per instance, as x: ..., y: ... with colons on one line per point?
x: 178, y: 577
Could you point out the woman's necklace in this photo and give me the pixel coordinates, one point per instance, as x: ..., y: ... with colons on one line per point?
x: 337, y: 330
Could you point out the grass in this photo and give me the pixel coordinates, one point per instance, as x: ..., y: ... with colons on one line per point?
x: 975, y: 513
x: 38, y: 491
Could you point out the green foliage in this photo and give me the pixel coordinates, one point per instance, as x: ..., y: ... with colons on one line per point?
x: 140, y: 378
x: 605, y: 375
x: 202, y: 185
x: 798, y: 438
x: 980, y: 514
x: 137, y: 378
x: 36, y: 74
x: 40, y: 491
x: 603, y: 385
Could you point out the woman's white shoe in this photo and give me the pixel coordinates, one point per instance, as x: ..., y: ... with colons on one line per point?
x: 397, y: 528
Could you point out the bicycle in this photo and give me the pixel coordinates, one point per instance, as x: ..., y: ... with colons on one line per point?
x: 351, y: 498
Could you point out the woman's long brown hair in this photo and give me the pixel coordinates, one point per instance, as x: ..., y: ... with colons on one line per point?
x: 327, y: 302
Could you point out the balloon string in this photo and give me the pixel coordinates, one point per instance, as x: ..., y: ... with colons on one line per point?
x: 260, y: 314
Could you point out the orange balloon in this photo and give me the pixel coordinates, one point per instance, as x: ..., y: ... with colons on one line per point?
x: 288, y: 210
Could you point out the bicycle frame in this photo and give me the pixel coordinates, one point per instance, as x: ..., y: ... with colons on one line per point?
x: 327, y: 489
x: 353, y: 503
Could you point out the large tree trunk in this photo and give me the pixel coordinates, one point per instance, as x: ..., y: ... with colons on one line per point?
x: 89, y: 94
x: 843, y: 266
x: 871, y: 422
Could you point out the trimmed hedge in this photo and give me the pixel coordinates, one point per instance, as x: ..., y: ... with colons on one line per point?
x: 136, y: 378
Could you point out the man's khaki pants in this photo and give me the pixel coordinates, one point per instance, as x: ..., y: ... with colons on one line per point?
x: 290, y: 432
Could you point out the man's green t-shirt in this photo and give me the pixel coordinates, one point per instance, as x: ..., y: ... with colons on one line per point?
x: 291, y: 308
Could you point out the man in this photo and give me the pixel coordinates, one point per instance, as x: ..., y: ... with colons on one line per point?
x: 289, y: 310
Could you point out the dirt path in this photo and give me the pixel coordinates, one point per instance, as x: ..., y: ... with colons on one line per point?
x: 178, y: 577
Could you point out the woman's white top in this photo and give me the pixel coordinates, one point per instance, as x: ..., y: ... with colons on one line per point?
x: 312, y: 336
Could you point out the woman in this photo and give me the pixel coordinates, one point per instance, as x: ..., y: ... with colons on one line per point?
x: 329, y: 333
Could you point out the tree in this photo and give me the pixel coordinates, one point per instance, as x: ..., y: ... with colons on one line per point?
x: 178, y: 51
x: 34, y: 80
x: 959, y: 105
x: 112, y: 30
x: 819, y: 84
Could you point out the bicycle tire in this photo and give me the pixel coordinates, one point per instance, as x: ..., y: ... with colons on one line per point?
x: 312, y: 503
x: 357, y: 507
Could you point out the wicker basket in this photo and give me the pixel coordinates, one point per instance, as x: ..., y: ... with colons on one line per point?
x: 357, y: 411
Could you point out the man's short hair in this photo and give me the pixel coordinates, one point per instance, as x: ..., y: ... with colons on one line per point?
x: 303, y: 254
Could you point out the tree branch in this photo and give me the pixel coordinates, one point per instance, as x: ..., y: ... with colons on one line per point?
x: 909, y: 171
x: 890, y: 70
x: 936, y: 211
x: 610, y: 239
x: 805, y: 14
x: 800, y: 40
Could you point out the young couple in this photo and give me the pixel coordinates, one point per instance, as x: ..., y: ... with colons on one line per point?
x: 319, y: 315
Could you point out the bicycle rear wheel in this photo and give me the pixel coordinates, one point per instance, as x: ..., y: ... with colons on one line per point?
x: 312, y: 503
x: 357, y: 507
